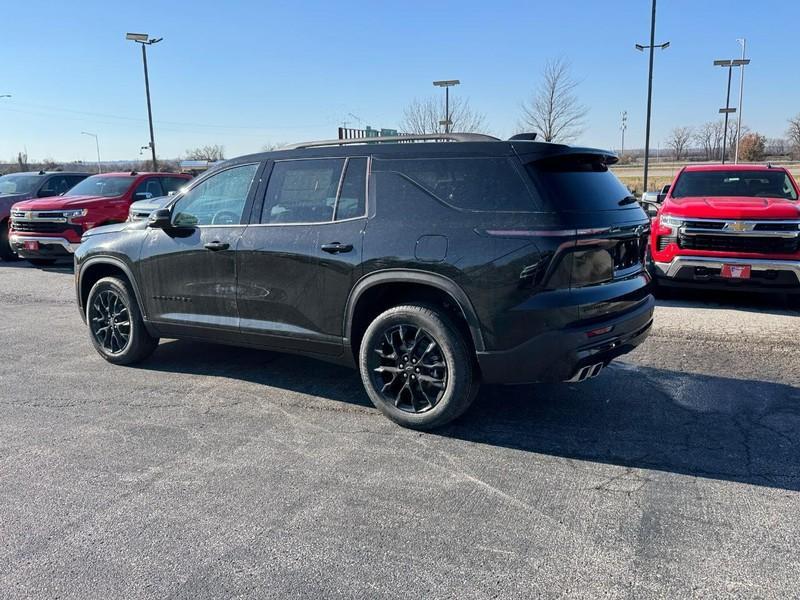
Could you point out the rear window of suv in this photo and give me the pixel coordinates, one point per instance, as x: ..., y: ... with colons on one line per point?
x: 475, y: 184
x: 757, y: 183
x: 579, y: 183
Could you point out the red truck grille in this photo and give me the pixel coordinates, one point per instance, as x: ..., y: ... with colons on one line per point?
x: 739, y: 243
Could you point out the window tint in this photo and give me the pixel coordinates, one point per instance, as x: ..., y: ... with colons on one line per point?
x: 74, y: 180
x: 173, y: 184
x: 55, y: 185
x: 148, y: 188
x: 763, y: 184
x: 218, y: 200
x: 352, y: 198
x: 477, y: 184
x: 579, y: 183
x: 302, y: 191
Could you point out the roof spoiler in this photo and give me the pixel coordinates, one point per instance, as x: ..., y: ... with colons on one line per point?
x: 554, y: 152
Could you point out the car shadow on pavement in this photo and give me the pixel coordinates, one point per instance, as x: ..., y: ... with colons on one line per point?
x: 777, y: 304
x: 637, y: 417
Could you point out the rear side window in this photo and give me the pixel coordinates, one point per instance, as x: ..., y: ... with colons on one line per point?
x: 302, y: 191
x: 579, y: 183
x: 474, y: 184
x: 149, y: 188
x: 352, y: 199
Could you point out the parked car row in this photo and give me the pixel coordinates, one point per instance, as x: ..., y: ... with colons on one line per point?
x: 44, y: 214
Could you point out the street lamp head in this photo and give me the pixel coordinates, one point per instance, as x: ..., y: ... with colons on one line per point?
x: 640, y: 48
x: 446, y: 83
x: 137, y: 37
x: 723, y: 63
x: 665, y: 45
x: 740, y: 61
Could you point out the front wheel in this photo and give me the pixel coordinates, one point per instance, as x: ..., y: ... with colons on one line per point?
x: 115, y: 324
x: 416, y: 367
x: 6, y: 251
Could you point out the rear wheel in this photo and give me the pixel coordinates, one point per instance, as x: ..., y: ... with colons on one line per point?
x: 115, y: 324
x: 416, y: 367
x: 6, y: 252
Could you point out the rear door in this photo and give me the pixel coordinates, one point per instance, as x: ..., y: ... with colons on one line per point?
x: 299, y: 257
x: 189, y: 270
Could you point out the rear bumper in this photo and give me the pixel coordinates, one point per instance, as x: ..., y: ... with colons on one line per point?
x: 49, y: 247
x: 771, y: 275
x: 559, y: 355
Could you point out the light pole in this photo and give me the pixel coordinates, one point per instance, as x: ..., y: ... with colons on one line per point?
x: 728, y: 110
x: 623, y: 127
x: 145, y: 40
x: 97, y: 145
x: 446, y: 84
x: 743, y: 43
x: 651, y: 46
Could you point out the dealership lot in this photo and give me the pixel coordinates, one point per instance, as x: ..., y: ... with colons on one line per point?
x: 210, y: 471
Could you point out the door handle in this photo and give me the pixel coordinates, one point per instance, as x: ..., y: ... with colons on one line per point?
x: 216, y: 246
x: 336, y: 247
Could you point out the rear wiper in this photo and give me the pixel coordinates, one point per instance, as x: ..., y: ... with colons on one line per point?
x: 627, y: 200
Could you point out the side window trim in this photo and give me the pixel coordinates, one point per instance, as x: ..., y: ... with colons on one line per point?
x: 248, y: 204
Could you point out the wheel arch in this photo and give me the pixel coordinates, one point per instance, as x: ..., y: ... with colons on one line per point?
x: 369, y: 284
x: 94, y: 269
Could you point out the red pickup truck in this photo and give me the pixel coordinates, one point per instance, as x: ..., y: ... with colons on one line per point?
x: 728, y: 226
x: 45, y: 229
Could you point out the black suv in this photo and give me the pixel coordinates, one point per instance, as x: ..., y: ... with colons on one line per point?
x: 431, y: 265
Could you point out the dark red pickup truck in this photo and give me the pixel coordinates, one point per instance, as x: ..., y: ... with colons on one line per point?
x: 45, y: 229
x: 729, y: 226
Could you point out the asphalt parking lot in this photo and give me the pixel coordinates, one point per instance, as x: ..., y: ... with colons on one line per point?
x: 216, y: 472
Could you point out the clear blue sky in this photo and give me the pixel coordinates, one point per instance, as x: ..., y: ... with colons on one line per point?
x: 245, y: 73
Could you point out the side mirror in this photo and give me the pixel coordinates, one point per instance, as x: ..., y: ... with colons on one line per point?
x: 160, y: 219
x: 650, y: 207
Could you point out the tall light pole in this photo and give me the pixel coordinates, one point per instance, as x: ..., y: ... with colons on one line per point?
x: 97, y: 145
x: 743, y: 43
x: 651, y: 46
x: 728, y: 110
x: 446, y: 84
x: 623, y: 127
x: 145, y: 40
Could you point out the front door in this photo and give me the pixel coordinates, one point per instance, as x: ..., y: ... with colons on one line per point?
x: 189, y: 270
x: 297, y: 261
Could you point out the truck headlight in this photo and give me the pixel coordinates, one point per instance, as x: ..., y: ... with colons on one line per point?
x: 671, y: 222
x: 73, y: 214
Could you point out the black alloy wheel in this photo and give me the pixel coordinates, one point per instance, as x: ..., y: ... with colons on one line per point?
x: 110, y: 322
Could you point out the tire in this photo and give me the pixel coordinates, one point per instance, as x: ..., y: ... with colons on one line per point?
x: 6, y: 252
x: 122, y: 342
x: 410, y: 342
x: 41, y: 262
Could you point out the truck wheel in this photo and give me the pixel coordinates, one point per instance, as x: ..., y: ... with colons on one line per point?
x: 115, y: 324
x: 416, y: 367
x: 6, y: 252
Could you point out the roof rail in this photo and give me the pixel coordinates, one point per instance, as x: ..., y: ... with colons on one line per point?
x: 427, y: 137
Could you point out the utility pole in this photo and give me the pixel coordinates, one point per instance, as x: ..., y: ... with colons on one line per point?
x: 145, y: 40
x: 652, y: 46
x: 623, y: 127
x: 728, y: 110
x: 446, y: 84
x: 743, y: 43
x: 97, y: 146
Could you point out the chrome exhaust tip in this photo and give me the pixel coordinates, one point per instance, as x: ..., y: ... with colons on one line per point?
x: 585, y: 373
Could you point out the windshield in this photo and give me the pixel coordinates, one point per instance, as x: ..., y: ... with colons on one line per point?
x: 761, y: 184
x: 98, y: 185
x: 19, y: 184
x: 579, y: 183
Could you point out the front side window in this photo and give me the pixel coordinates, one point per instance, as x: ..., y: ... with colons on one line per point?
x: 475, y: 184
x: 760, y: 183
x: 302, y: 191
x: 149, y: 188
x: 218, y: 200
x: 19, y: 184
x: 55, y: 186
x: 102, y: 185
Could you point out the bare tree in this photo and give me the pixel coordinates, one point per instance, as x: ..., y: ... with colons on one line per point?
x: 423, y: 116
x: 678, y: 139
x: 776, y: 146
x: 554, y: 112
x: 707, y: 139
x: 270, y: 146
x: 793, y: 133
x: 22, y: 161
x: 211, y: 153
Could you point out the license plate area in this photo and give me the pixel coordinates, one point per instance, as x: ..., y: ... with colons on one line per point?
x: 31, y: 245
x: 735, y: 271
